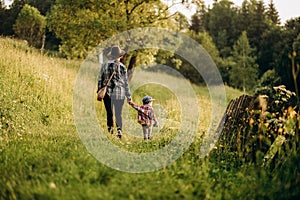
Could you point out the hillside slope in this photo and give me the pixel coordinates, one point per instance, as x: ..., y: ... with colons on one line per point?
x: 42, y: 156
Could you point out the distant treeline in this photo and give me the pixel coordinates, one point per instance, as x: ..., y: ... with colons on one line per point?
x: 248, y: 44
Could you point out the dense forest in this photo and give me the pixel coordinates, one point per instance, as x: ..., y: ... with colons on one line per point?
x: 243, y: 41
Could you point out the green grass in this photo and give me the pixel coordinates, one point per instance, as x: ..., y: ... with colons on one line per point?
x: 42, y: 156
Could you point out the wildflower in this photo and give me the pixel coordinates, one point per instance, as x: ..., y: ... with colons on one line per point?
x: 292, y: 112
x: 251, y: 121
x: 52, y: 185
x: 267, y: 124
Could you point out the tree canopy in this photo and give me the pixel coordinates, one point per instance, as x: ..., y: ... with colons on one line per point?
x: 244, y: 70
x: 82, y: 24
x: 74, y: 27
x: 30, y: 25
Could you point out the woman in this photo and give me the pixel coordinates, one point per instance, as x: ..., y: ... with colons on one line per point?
x: 117, y: 89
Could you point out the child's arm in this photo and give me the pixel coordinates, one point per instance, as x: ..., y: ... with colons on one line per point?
x: 140, y: 109
x: 134, y: 105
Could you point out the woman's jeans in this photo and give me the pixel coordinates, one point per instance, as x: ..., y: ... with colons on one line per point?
x: 115, y: 105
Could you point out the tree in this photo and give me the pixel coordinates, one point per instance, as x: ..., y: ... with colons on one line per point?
x: 262, y: 34
x: 243, y: 74
x: 8, y: 17
x: 199, y: 19
x: 185, y: 68
x: 270, y: 49
x: 30, y: 25
x: 272, y: 14
x: 283, y: 62
x: 258, y: 24
x: 181, y: 22
x: 220, y: 24
x: 2, y: 16
x: 295, y: 69
x: 42, y: 5
x: 83, y: 24
x: 196, y: 23
x: 269, y: 79
x: 243, y: 18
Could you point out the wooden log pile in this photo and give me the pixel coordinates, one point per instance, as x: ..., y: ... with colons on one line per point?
x: 236, y: 118
x: 253, y: 125
x: 236, y: 114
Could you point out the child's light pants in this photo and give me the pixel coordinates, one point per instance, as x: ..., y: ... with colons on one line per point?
x: 147, y: 130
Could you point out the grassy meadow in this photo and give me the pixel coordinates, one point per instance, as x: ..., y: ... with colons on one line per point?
x: 42, y: 156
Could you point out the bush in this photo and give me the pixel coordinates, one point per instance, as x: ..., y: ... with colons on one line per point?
x: 30, y: 26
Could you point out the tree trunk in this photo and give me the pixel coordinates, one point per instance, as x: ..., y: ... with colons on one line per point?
x: 43, y: 44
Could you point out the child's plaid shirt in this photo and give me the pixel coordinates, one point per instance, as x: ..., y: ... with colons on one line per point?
x: 146, y: 114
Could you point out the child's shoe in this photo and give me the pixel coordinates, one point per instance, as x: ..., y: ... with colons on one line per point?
x: 120, y: 133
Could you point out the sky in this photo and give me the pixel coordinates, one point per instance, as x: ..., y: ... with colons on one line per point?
x: 287, y: 9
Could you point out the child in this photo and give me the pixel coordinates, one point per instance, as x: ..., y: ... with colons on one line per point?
x: 146, y: 116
